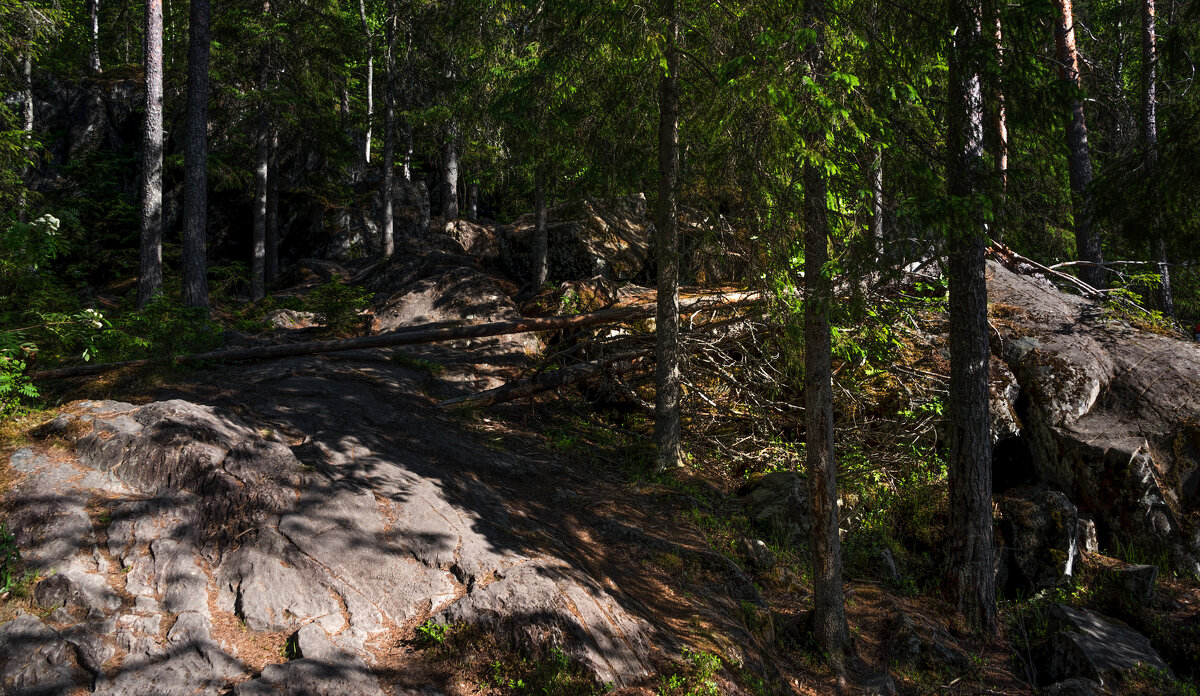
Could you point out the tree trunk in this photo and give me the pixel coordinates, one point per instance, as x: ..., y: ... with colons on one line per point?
x: 26, y: 125
x: 362, y: 11
x: 829, y: 613
x: 450, y: 175
x: 150, y: 272
x: 271, y: 266
x: 666, y: 371
x: 408, y: 150
x: 262, y: 141
x: 195, y: 161
x: 472, y: 201
x: 1001, y: 126
x: 972, y: 575
x: 1166, y: 299
x: 94, y: 38
x: 1079, y: 159
x: 387, y: 191
x: 541, y: 245
x: 875, y: 243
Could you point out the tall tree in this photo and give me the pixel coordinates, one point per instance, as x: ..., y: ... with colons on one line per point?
x: 450, y: 173
x: 195, y: 160
x: 667, y: 375
x: 1000, y: 125
x: 370, y: 42
x: 26, y: 96
x: 1079, y: 158
x: 1150, y: 145
x: 388, y: 186
x: 540, y: 242
x: 271, y: 265
x: 970, y: 466
x: 94, y: 36
x: 829, y: 614
x: 150, y: 276
x: 262, y: 160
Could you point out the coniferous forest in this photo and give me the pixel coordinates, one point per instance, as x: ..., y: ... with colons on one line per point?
x: 566, y: 347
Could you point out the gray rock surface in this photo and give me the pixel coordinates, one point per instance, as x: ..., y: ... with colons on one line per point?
x: 778, y: 503
x: 1138, y: 581
x: 1111, y: 413
x: 1089, y: 646
x: 1042, y: 535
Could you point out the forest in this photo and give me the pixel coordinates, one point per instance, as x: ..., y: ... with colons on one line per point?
x: 682, y: 347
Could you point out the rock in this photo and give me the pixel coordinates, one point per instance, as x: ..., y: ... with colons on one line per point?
x: 541, y: 604
x: 313, y: 643
x: 1074, y: 687
x: 1088, y: 541
x: 290, y: 319
x: 921, y: 643
x: 586, y: 239
x: 310, y: 677
x: 1042, y: 535
x: 888, y: 568
x: 475, y: 239
x: 35, y: 661
x: 1089, y: 646
x: 1110, y: 413
x: 757, y: 554
x: 1138, y: 581
x: 778, y: 503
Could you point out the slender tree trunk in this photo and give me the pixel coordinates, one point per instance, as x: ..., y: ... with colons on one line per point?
x: 829, y: 614
x: 195, y: 161
x: 344, y: 108
x: 271, y: 265
x: 262, y: 141
x: 666, y: 372
x: 1079, y: 159
x: 450, y: 175
x: 94, y: 31
x: 972, y: 575
x: 541, y: 266
x: 26, y: 126
x: 875, y: 243
x: 472, y: 201
x: 388, y: 187
x: 1166, y: 299
x: 150, y: 275
x: 362, y: 11
x: 1001, y: 126
x: 408, y: 150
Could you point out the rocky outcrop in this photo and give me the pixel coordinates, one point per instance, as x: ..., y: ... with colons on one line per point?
x: 778, y: 504
x: 1085, y: 645
x: 160, y: 523
x: 1041, y: 534
x: 1109, y: 413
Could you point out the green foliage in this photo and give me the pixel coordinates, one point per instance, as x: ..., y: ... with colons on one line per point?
x: 337, y: 306
x: 427, y: 366
x: 432, y: 633
x: 697, y: 679
x: 162, y: 328
x: 14, y: 581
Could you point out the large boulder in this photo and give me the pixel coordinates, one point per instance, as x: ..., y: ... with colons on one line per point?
x: 1085, y: 645
x: 1041, y: 533
x: 1110, y: 413
x: 778, y: 504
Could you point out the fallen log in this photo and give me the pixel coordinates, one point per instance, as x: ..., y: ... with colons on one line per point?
x: 616, y: 364
x: 412, y: 336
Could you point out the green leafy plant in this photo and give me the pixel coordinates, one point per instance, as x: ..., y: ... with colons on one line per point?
x: 337, y: 306
x: 432, y: 633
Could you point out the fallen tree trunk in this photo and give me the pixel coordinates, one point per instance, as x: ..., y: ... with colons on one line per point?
x: 616, y: 364
x: 411, y: 336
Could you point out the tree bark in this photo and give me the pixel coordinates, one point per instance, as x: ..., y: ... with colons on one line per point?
x: 150, y: 268
x: 666, y: 371
x: 1166, y: 299
x: 271, y: 265
x: 195, y: 160
x: 875, y: 243
x: 1001, y: 127
x: 94, y: 36
x: 387, y: 191
x: 972, y: 574
x: 541, y: 244
x: 262, y: 142
x: 370, y: 38
x: 26, y: 126
x: 450, y: 174
x: 1079, y: 159
x: 829, y: 615
x: 472, y: 201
